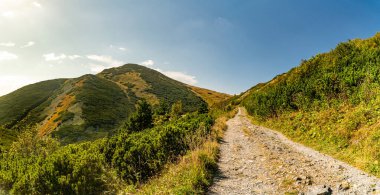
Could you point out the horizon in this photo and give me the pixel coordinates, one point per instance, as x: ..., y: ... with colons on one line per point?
x: 219, y: 45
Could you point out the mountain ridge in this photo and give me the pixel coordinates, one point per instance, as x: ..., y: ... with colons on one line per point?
x: 92, y: 106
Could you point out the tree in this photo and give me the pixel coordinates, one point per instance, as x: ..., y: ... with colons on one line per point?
x: 163, y: 108
x: 142, y: 118
x: 176, y: 109
x: 203, y: 108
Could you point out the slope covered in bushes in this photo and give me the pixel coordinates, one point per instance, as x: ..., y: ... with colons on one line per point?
x: 91, y: 106
x: 40, y: 165
x: 330, y: 102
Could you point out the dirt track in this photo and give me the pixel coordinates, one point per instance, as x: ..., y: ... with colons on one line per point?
x: 256, y: 160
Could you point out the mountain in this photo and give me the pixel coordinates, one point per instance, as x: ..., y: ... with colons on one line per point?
x: 330, y: 102
x: 91, y: 106
x: 211, y: 97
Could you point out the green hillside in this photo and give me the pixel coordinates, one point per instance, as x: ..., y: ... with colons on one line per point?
x: 211, y: 97
x: 330, y: 102
x: 91, y: 106
x: 152, y: 85
x: 18, y: 104
x: 110, y: 133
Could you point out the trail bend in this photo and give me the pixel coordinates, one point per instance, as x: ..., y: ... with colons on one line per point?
x: 257, y: 160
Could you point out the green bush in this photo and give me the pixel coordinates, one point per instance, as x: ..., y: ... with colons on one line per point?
x: 348, y: 74
x: 142, y: 118
x: 36, y: 165
x: 39, y: 165
x: 140, y: 155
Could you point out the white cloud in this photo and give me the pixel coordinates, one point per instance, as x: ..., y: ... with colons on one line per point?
x: 8, y: 44
x: 122, y: 48
x: 73, y: 57
x: 62, y: 56
x: 29, y: 44
x: 53, y: 57
x: 36, y: 4
x: 180, y: 76
x: 147, y: 63
x: 9, y: 14
x: 6, y: 56
x: 107, y: 60
x: 95, y: 68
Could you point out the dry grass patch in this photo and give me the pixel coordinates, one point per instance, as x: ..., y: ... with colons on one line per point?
x: 211, y: 97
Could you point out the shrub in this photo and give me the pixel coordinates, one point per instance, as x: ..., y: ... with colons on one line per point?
x: 142, y: 118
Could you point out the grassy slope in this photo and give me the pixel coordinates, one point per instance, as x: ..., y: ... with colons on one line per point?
x: 329, y: 102
x: 163, y: 87
x: 14, y: 106
x: 104, y: 107
x: 211, y: 97
x: 103, y: 101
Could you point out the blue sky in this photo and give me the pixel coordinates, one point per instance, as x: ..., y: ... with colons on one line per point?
x: 224, y: 45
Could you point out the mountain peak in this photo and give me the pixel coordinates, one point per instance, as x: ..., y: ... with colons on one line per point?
x: 92, y: 106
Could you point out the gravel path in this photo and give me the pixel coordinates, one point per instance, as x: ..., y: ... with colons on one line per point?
x: 257, y: 160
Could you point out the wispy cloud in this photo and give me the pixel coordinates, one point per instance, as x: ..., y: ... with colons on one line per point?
x: 73, y: 57
x: 58, y: 57
x: 107, y: 60
x: 29, y: 44
x: 36, y: 4
x: 54, y: 57
x: 147, y: 63
x: 179, y: 76
x: 116, y: 47
x: 8, y: 44
x: 96, y: 68
x: 6, y: 56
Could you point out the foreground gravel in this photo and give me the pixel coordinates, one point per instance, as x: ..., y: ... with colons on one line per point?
x: 257, y: 160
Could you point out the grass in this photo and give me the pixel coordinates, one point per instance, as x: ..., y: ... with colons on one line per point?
x: 7, y: 137
x: 16, y: 105
x: 191, y: 175
x: 329, y: 102
x: 157, y: 84
x: 17, y: 108
x: 53, y: 122
x: 247, y: 131
x: 132, y: 81
x: 349, y: 133
x: 193, y: 172
x: 104, y: 102
x: 211, y: 97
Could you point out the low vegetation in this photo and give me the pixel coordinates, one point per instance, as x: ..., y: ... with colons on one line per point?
x: 159, y: 85
x: 15, y: 106
x: 329, y: 102
x: 126, y: 161
x: 211, y: 97
x: 193, y: 172
x: 91, y: 106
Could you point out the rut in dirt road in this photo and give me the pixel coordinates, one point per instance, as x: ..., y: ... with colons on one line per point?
x: 256, y: 160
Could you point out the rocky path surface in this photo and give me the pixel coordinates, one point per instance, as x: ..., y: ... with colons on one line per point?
x: 257, y: 160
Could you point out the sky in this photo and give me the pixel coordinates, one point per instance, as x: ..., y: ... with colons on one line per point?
x: 223, y: 45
